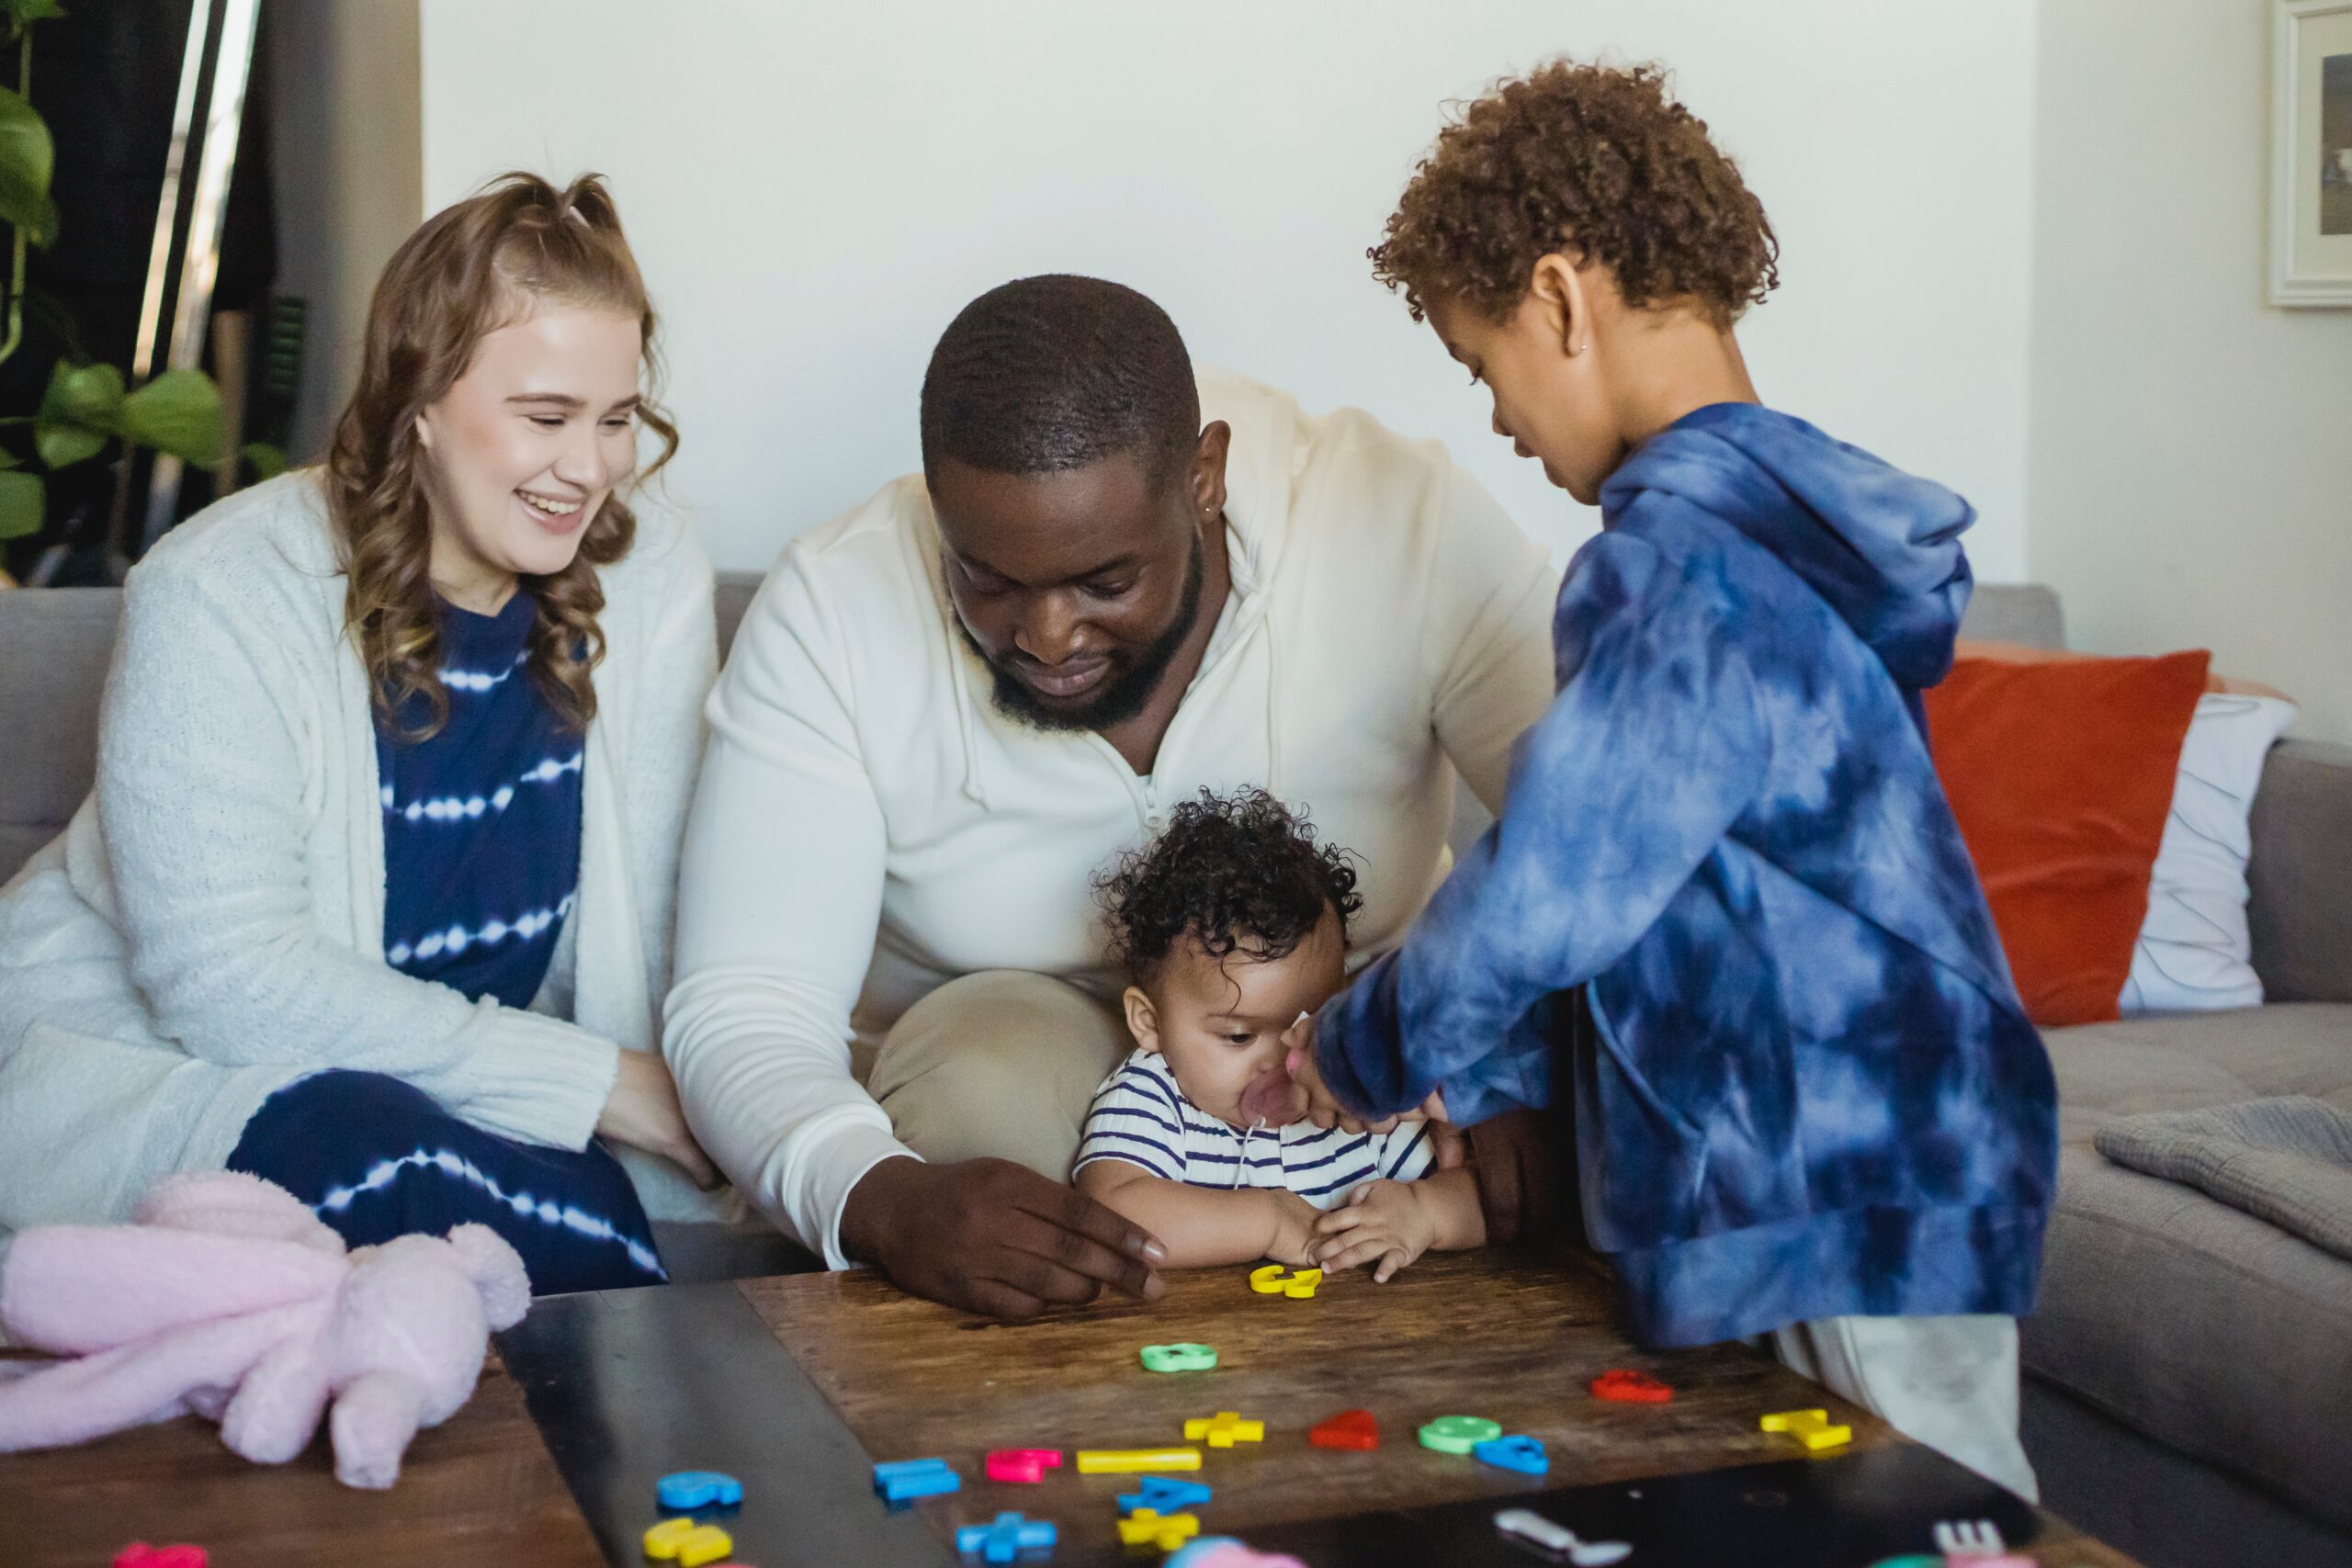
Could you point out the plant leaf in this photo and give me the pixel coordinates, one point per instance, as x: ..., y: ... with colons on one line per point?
x: 84, y: 394
x: 178, y: 413
x: 79, y: 412
x: 22, y: 497
x: 265, y: 460
x: 26, y: 157
x: 31, y: 10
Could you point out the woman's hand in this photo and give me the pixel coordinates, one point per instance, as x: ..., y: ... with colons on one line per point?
x: 1385, y: 1221
x: 643, y: 1113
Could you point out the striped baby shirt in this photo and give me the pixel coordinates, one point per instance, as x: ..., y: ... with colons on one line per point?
x: 1140, y: 1116
x: 482, y: 821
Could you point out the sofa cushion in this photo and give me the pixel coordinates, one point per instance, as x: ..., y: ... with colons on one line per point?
x: 2023, y: 613
x: 2060, y: 774
x: 2208, y: 1329
x: 732, y: 597
x: 2299, y: 879
x: 54, y: 644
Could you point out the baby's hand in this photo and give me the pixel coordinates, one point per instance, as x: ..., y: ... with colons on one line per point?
x: 1295, y: 1218
x: 1383, y: 1220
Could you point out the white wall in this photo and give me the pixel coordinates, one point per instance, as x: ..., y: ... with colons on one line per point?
x: 814, y: 190
x: 2191, y: 447
x: 346, y: 157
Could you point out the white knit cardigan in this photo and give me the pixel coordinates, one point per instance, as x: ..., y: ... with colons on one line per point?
x: 210, y: 927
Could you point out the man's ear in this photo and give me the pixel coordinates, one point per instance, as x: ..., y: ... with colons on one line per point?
x: 1559, y: 291
x: 1143, y: 1019
x: 1208, y: 468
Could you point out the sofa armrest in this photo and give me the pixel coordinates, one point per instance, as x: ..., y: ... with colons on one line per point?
x: 2299, y: 879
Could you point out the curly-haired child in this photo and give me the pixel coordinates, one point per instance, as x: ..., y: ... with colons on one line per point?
x: 1726, y: 901
x: 1232, y: 925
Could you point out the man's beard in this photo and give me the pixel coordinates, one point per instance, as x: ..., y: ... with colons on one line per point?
x: 1127, y: 691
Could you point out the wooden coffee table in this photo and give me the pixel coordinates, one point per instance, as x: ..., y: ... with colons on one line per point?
x: 479, y: 1492
x: 629, y: 1386
x: 798, y: 1385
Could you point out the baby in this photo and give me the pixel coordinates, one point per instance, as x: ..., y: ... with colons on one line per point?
x: 1232, y: 926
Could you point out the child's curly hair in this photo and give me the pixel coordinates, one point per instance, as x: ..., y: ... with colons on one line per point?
x: 1240, y: 872
x: 1584, y: 159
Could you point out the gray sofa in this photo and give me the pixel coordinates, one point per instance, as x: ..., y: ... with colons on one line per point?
x: 2189, y: 1389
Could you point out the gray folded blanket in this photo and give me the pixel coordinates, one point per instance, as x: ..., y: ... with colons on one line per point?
x: 2287, y: 1161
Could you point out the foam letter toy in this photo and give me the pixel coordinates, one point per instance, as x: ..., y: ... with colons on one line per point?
x: 1224, y: 1429
x: 1810, y: 1427
x: 1146, y: 1527
x: 1349, y: 1430
x: 1010, y: 1536
x: 1177, y: 1358
x: 1027, y: 1466
x: 1458, y: 1434
x: 687, y: 1490
x: 1127, y: 1462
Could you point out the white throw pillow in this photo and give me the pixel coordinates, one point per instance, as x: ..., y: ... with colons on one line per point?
x: 2194, y: 953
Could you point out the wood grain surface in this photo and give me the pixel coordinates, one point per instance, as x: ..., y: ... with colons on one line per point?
x: 1513, y: 1339
x: 478, y: 1491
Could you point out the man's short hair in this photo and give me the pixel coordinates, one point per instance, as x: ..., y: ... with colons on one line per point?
x: 1047, y: 374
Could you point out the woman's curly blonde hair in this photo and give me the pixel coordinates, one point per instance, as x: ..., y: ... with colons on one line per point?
x: 1593, y: 161
x: 469, y: 270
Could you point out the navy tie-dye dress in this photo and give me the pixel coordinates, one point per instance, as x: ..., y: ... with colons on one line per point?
x: 1810, y: 1089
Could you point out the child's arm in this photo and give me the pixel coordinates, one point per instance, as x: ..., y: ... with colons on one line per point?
x: 1395, y: 1222
x: 1655, y: 746
x: 1201, y: 1225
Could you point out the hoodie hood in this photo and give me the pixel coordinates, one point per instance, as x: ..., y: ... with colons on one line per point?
x: 1879, y: 546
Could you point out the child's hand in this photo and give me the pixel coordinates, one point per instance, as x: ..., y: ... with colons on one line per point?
x: 1320, y: 1107
x: 1383, y: 1220
x: 1294, y: 1240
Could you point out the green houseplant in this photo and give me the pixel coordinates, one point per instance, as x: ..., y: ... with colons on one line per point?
x: 86, y: 407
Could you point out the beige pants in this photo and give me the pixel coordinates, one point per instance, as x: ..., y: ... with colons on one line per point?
x: 1002, y: 1063
x: 1006, y: 1061
x: 1949, y: 1382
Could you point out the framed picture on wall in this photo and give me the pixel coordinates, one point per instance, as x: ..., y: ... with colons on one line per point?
x: 2311, y: 153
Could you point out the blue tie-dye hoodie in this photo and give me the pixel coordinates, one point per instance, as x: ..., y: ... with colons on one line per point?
x: 1813, y: 1090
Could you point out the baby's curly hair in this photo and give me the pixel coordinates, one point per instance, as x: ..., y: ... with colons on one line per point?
x: 1240, y: 872
x: 1583, y: 160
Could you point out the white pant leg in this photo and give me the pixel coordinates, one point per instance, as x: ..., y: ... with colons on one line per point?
x: 1001, y: 1062
x: 1949, y: 1382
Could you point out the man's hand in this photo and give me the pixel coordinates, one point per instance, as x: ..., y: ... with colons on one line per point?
x: 994, y: 1238
x: 1382, y: 1221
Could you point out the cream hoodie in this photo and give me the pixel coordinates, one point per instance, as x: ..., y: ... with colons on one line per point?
x: 868, y: 827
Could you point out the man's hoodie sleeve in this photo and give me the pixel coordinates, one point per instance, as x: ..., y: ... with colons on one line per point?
x: 1654, y: 746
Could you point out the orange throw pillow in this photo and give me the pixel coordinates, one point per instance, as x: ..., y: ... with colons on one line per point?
x: 2061, y: 774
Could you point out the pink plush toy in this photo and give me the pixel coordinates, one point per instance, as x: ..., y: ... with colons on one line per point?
x: 227, y: 1299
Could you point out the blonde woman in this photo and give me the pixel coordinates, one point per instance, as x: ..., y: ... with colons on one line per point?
x: 373, y: 897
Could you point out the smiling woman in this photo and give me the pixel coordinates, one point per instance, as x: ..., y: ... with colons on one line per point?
x: 392, y: 767
x: 496, y: 413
